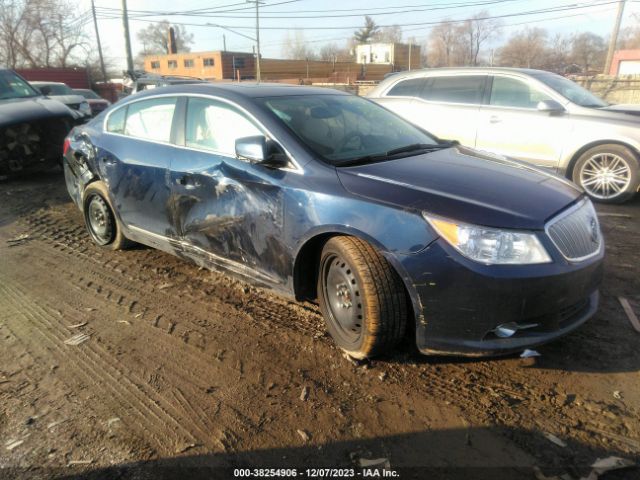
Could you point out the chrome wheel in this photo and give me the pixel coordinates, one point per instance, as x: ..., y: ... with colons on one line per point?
x: 343, y: 298
x: 605, y: 176
x: 100, y: 220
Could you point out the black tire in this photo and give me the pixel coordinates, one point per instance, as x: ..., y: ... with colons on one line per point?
x: 618, y: 188
x: 108, y: 234
x: 361, y: 297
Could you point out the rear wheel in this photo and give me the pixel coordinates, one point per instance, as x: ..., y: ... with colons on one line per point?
x: 361, y: 297
x: 101, y: 222
x: 608, y: 173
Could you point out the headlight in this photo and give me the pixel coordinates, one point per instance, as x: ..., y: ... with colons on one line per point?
x: 85, y: 108
x: 490, y: 245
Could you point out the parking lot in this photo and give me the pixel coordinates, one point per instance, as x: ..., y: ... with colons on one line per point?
x: 109, y: 359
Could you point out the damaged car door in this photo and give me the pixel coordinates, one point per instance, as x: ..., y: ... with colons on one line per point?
x: 134, y: 160
x: 227, y: 211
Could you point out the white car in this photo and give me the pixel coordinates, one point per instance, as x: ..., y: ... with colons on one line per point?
x: 531, y: 115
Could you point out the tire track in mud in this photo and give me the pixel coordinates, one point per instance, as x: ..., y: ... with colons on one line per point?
x: 154, y: 413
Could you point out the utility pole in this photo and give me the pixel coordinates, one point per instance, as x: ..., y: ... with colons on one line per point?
x: 410, y: 43
x: 95, y: 24
x: 127, y: 38
x: 257, y: 2
x: 614, y: 38
x: 224, y: 43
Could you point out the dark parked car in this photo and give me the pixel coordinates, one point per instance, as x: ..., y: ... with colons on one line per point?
x: 64, y: 93
x: 95, y: 101
x: 323, y: 195
x: 32, y: 128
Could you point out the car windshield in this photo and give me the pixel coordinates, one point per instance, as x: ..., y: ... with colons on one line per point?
x: 87, y: 94
x: 344, y: 129
x: 12, y: 86
x: 571, y: 90
x: 56, y: 88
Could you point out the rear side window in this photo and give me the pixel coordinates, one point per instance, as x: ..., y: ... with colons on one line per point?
x: 510, y: 92
x: 214, y: 125
x: 115, y: 124
x: 407, y: 88
x: 467, y: 89
x: 151, y: 119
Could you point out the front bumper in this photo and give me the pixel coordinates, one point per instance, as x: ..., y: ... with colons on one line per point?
x: 460, y: 303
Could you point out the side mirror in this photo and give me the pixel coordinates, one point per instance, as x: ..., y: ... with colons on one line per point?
x: 550, y: 106
x: 262, y: 151
x: 45, y: 90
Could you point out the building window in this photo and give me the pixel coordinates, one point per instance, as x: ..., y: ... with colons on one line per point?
x: 173, y: 63
x: 208, y: 62
x: 238, y: 62
x: 155, y: 65
x: 188, y: 63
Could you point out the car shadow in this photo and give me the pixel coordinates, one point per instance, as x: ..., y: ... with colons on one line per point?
x: 484, y: 453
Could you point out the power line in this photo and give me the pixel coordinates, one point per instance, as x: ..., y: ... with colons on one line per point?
x: 560, y: 8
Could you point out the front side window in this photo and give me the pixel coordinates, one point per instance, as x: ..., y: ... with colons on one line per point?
x: 214, y: 125
x: 571, y: 90
x: 408, y: 88
x: 343, y: 128
x: 467, y: 89
x: 150, y: 119
x: 511, y: 92
x: 57, y: 88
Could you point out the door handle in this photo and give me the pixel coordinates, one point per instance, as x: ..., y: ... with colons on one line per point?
x: 494, y: 119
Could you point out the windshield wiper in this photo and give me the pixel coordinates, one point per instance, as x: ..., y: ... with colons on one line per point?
x: 414, y: 147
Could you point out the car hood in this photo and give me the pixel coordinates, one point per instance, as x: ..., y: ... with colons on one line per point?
x: 465, y: 185
x: 18, y: 110
x: 68, y: 99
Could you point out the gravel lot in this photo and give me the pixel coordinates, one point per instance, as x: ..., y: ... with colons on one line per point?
x: 189, y: 369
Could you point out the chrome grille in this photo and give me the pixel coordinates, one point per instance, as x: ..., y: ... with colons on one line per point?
x: 576, y: 232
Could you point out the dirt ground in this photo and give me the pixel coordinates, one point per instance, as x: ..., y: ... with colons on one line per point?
x: 187, y: 373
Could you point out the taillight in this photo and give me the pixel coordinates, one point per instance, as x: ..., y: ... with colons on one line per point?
x: 66, y: 146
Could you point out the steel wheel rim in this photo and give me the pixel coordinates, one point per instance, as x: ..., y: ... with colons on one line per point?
x: 100, y: 220
x: 605, y: 175
x: 342, y: 298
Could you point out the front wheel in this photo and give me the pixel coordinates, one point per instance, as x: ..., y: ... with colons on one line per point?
x: 361, y: 297
x: 608, y: 173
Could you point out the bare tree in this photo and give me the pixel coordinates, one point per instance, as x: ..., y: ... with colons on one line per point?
x: 588, y: 50
x: 40, y: 33
x: 331, y: 52
x: 391, y: 34
x: 444, y: 46
x: 630, y: 36
x: 155, y: 38
x: 475, y: 32
x: 367, y: 33
x: 296, y: 47
x: 558, y: 53
x: 527, y: 48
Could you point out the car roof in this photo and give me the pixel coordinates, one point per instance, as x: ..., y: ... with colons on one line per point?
x: 488, y: 70
x: 245, y: 89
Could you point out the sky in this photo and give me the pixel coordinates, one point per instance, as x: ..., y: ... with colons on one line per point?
x: 326, y: 21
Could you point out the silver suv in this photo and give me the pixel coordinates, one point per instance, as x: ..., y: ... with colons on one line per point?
x: 531, y: 115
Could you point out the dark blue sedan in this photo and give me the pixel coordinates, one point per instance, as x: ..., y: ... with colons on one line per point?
x: 329, y: 197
